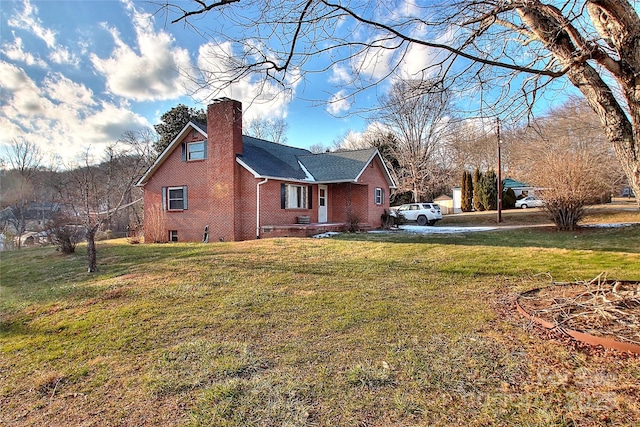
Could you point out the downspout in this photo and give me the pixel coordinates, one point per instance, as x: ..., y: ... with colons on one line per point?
x: 258, y: 206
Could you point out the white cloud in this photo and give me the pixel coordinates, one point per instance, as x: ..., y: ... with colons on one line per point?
x: 389, y: 57
x: 339, y: 74
x: 110, y: 122
x: 62, y: 117
x: 338, y: 103
x: 376, y: 62
x: 65, y: 91
x: 15, y: 52
x: 155, y: 73
x: 217, y: 68
x: 398, y: 10
x: 61, y: 55
x: 29, y: 21
x: 419, y: 60
x: 19, y: 93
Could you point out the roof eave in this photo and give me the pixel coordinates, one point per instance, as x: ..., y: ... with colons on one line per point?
x: 262, y: 176
x: 167, y: 151
x: 375, y: 154
x: 288, y: 179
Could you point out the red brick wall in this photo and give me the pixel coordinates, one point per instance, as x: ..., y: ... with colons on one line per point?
x: 175, y: 173
x: 361, y: 195
x: 246, y: 204
x: 271, y: 212
x: 374, y: 176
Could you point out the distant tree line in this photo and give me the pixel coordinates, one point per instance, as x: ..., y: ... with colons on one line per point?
x: 76, y: 202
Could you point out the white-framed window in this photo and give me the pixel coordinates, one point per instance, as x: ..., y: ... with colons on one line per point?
x: 174, y: 198
x: 196, y: 150
x: 378, y: 196
x: 295, y: 196
x: 173, y: 235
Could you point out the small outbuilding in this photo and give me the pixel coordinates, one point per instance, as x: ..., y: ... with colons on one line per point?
x: 520, y: 188
x: 446, y: 204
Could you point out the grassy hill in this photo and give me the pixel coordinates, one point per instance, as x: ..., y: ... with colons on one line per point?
x: 356, y: 330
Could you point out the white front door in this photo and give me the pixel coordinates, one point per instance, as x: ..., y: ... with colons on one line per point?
x: 322, y: 203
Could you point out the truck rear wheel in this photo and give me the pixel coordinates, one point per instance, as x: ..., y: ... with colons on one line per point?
x: 422, y: 220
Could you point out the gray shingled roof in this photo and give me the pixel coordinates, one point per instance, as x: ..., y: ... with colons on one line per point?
x: 201, y: 125
x: 271, y: 159
x: 338, y: 166
x: 281, y: 161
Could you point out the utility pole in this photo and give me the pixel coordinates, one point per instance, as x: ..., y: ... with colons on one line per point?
x: 499, y: 172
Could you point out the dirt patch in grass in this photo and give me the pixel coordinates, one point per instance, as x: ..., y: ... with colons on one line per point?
x: 599, y: 307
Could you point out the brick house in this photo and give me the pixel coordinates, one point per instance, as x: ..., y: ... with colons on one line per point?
x: 213, y: 183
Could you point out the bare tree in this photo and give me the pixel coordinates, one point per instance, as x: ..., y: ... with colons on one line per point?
x: 95, y: 193
x: 416, y: 113
x: 471, y: 145
x: 352, y: 140
x: 514, y: 49
x: 24, y: 158
x: 318, y: 148
x: 274, y: 130
x: 567, y: 156
x: 569, y: 182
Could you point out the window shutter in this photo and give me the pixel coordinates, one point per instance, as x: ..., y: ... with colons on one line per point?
x: 164, y: 198
x: 382, y: 202
x: 184, y: 152
x: 184, y: 197
x: 310, y: 196
x: 283, y: 198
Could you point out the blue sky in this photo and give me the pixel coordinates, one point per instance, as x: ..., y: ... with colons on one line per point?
x: 77, y: 74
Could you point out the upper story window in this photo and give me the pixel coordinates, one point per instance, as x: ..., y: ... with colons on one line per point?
x: 196, y: 150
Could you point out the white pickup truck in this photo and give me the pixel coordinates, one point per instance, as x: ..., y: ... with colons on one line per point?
x: 422, y: 213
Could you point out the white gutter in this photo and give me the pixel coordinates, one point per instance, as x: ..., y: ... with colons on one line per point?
x: 258, y: 206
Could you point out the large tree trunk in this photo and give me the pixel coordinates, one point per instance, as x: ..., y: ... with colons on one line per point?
x: 618, y: 24
x: 618, y: 129
x: 92, y: 259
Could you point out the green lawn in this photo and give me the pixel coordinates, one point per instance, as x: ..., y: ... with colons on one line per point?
x: 359, y: 330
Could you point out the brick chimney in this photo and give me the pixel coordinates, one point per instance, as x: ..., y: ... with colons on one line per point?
x: 224, y: 142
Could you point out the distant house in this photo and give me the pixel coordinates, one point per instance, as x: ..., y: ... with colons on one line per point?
x: 518, y: 187
x: 213, y: 183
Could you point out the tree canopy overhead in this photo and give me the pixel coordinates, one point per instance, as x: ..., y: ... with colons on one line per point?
x: 504, y: 53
